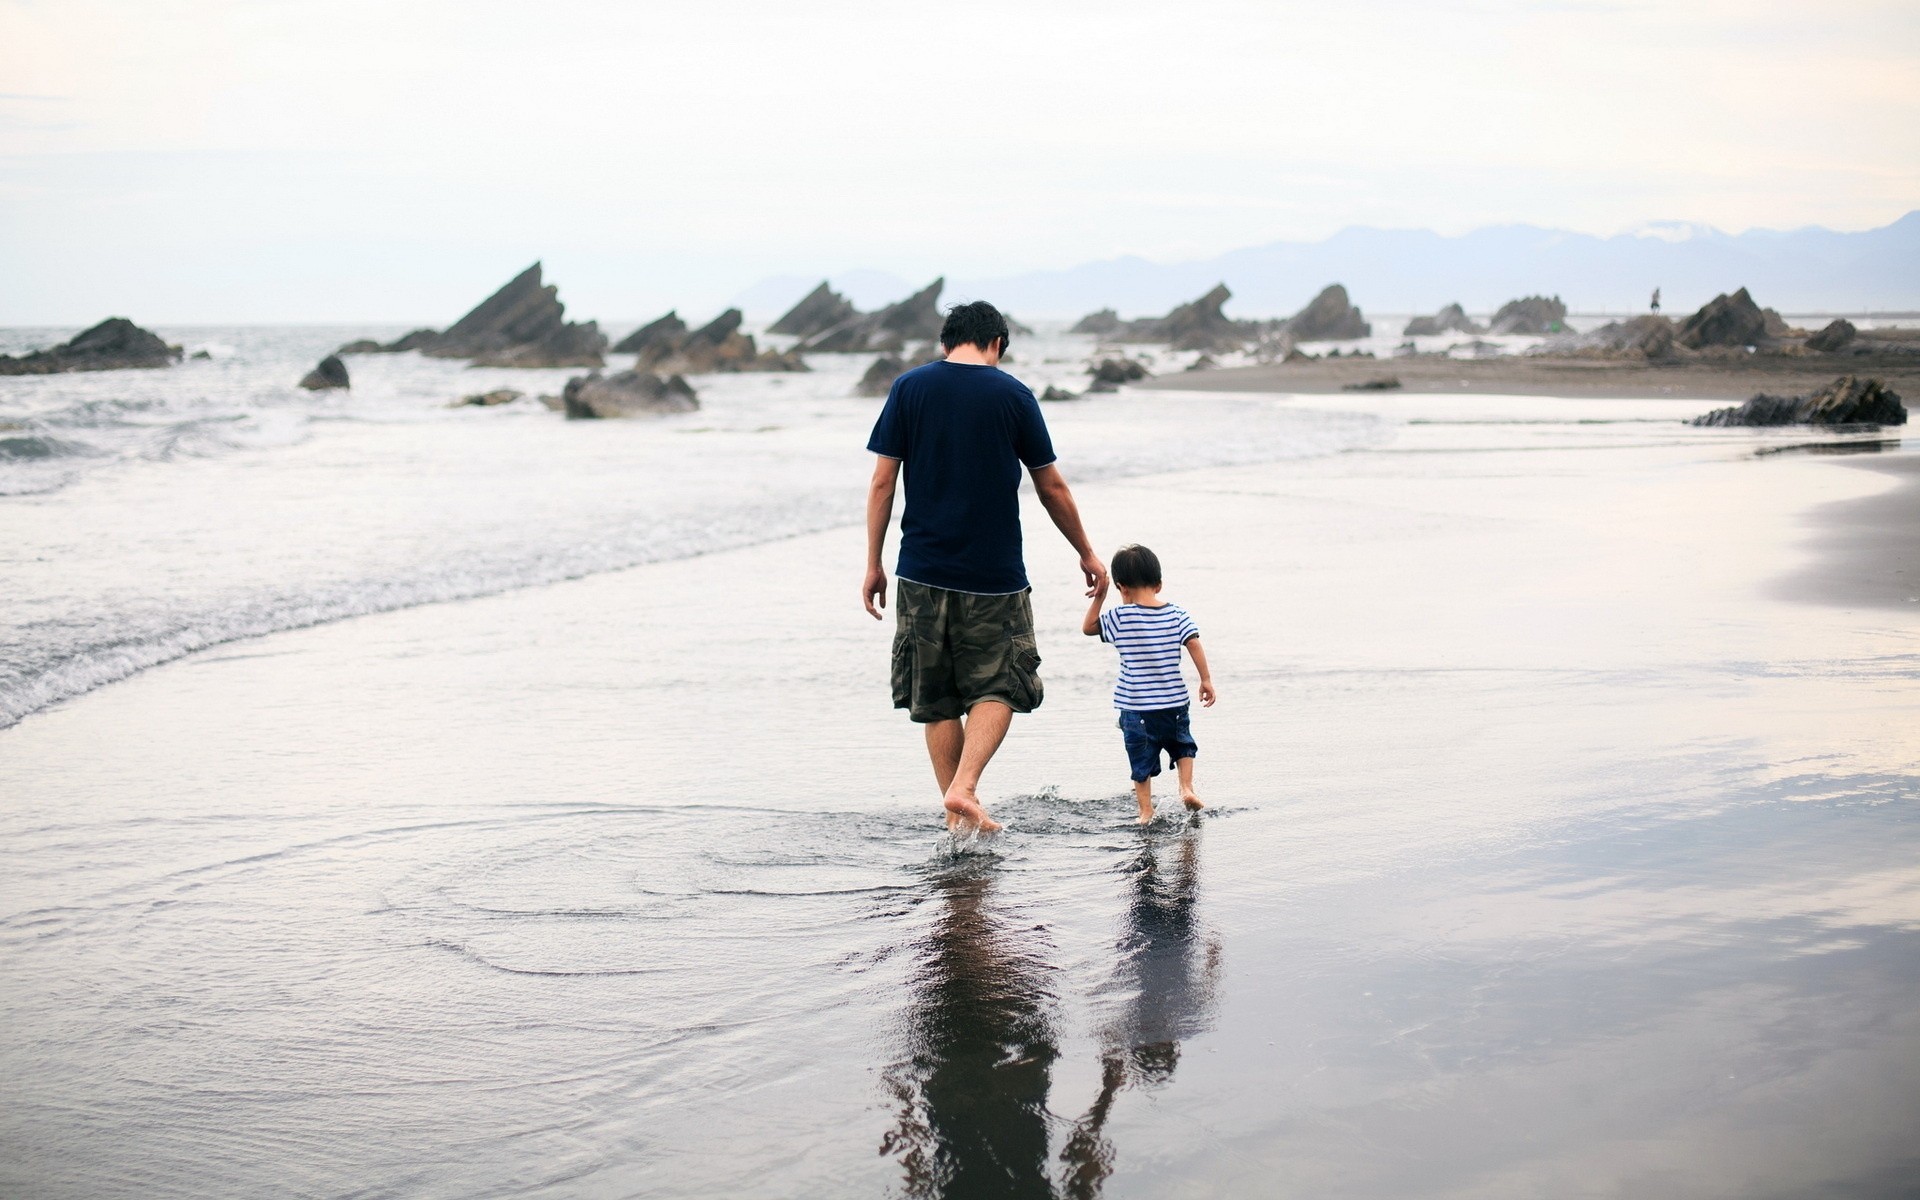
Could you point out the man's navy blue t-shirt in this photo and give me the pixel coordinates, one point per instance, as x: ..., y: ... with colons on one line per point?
x: 962, y: 432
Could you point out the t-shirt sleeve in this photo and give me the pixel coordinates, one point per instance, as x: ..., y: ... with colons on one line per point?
x: 889, y: 438
x: 1188, y: 630
x: 1030, y: 439
x: 1109, y: 627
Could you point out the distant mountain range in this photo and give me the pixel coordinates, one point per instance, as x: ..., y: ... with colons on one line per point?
x: 1412, y: 271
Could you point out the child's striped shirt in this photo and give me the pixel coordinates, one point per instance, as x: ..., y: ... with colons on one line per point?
x: 1149, y: 641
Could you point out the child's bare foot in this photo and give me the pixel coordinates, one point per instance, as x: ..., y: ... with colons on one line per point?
x: 1191, y: 799
x: 966, y: 811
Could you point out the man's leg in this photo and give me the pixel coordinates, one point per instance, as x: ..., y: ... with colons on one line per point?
x: 944, y: 741
x: 986, y: 728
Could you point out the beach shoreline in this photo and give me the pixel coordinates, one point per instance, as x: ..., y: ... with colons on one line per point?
x: 1559, y: 377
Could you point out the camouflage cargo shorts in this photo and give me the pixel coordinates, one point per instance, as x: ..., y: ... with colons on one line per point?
x: 951, y: 650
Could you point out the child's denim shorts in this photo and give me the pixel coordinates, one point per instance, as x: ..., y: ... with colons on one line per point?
x: 1149, y: 733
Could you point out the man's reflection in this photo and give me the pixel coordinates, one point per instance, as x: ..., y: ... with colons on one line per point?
x: 973, y: 1094
x: 1168, y: 971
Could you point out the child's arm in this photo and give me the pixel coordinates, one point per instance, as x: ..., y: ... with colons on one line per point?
x: 1207, y: 694
x: 1091, y: 626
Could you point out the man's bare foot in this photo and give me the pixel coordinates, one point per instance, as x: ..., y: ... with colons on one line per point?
x: 1191, y: 799
x: 968, y: 812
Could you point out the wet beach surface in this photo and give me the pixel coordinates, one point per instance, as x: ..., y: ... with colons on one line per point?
x: 1552, y: 853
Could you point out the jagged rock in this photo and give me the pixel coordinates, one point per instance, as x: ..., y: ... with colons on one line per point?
x: 521, y: 325
x: 1835, y: 337
x: 1097, y: 323
x: 878, y: 380
x: 419, y: 339
x: 1204, y: 363
x: 1109, y: 373
x: 1328, y: 317
x: 627, y: 394
x: 1384, y: 383
x: 1058, y: 393
x: 1536, y: 316
x: 553, y: 402
x: 820, y: 310
x: 663, y: 331
x: 362, y: 346
x: 201, y: 355
x: 329, y: 374
x: 1015, y: 328
x: 1775, y: 325
x: 114, y: 344
x: 1647, y: 336
x: 1724, y: 321
x: 1196, y: 325
x: 1845, y: 401
x: 488, y: 399
x: 886, y: 330
x: 716, y: 346
x: 1451, y: 319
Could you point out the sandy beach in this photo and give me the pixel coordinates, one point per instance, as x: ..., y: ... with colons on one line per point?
x: 1562, y: 845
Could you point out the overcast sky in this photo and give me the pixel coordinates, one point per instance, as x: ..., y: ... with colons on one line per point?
x: 260, y: 160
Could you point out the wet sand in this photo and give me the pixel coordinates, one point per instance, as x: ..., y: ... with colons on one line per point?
x: 1553, y: 853
x: 1543, y: 376
x: 1868, y: 550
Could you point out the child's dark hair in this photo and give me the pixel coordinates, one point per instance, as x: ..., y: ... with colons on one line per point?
x: 1135, y: 566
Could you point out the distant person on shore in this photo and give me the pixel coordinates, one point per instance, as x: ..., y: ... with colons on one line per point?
x: 1151, y: 694
x: 1656, y: 302
x: 964, y: 656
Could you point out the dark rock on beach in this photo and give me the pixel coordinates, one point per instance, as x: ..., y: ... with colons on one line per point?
x: 627, y: 394
x: 820, y: 310
x: 887, y: 330
x: 1536, y: 316
x: 362, y: 346
x: 1328, y: 317
x: 1838, y: 334
x: 1845, y: 401
x: 419, y: 339
x: 716, y: 346
x: 331, y: 373
x: 878, y: 380
x: 1053, y: 394
x: 1196, y: 325
x: 1451, y: 319
x: 1724, y: 321
x: 488, y: 399
x: 1647, y: 337
x: 1109, y: 373
x: 1383, y: 383
x: 114, y: 344
x: 522, y: 325
x: 1097, y: 323
x: 662, y: 331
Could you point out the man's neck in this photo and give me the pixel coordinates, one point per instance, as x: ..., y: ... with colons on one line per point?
x: 971, y: 355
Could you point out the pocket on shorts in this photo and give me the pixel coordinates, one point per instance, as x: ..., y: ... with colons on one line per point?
x: 902, y: 669
x: 1023, y: 671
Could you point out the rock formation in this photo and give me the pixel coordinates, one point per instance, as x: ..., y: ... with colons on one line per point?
x: 1053, y: 394
x: 488, y: 399
x: 1099, y: 325
x: 1328, y: 317
x: 1845, y: 401
x: 521, y: 325
x: 329, y: 374
x: 1109, y: 373
x: 1451, y: 319
x: 1724, y: 321
x: 819, y: 311
x: 114, y: 344
x: 1838, y: 334
x: 1536, y: 316
x: 663, y: 331
x: 1648, y: 336
x: 886, y: 330
x: 627, y: 394
x: 878, y: 380
x: 1381, y: 383
x: 362, y: 346
x: 716, y: 346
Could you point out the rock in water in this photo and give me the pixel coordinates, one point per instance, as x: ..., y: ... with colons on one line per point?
x: 1724, y: 321
x: 521, y: 325
x: 627, y: 394
x: 1845, y: 401
x: 887, y: 330
x: 114, y: 344
x: 820, y: 310
x: 1451, y: 319
x: 1838, y: 334
x: 878, y: 380
x: 1646, y: 336
x: 1053, y: 394
x: 1383, y: 383
x: 1109, y: 373
x: 716, y: 346
x: 1328, y: 317
x: 667, y: 331
x: 1097, y: 323
x: 330, y: 374
x: 1535, y: 316
x: 362, y: 346
x: 419, y: 339
x: 488, y: 399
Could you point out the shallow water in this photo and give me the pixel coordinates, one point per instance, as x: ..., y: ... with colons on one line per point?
x: 1549, y: 855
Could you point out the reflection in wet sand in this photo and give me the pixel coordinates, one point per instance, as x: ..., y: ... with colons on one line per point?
x: 1169, y: 969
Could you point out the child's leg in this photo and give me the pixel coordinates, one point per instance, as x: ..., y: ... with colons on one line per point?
x: 1143, y: 792
x: 1188, y: 796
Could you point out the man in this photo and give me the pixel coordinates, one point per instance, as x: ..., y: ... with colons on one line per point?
x: 964, y: 658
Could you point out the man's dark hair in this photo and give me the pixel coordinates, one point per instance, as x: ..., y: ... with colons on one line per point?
x: 979, y: 324
x: 1136, y: 566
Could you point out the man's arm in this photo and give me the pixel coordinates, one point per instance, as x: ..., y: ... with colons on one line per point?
x: 1057, y: 499
x: 886, y: 472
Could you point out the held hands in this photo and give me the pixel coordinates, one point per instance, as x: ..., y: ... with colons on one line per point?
x: 874, y: 591
x: 1096, y: 573
x: 1207, y: 694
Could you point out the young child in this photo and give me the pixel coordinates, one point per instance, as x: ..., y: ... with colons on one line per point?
x: 1152, y: 694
